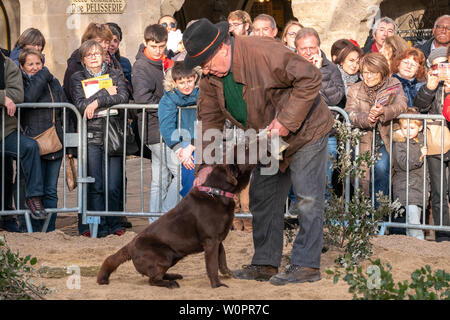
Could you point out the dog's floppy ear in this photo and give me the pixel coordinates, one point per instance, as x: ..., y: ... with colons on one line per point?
x: 230, y: 176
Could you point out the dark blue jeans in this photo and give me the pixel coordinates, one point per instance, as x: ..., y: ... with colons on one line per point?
x: 96, y: 193
x: 30, y: 161
x: 381, y: 170
x: 50, y: 176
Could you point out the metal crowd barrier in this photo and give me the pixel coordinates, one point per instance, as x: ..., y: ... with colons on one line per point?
x: 79, y: 140
x: 69, y: 140
x: 423, y: 225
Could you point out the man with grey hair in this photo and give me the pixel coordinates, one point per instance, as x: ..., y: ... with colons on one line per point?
x: 441, y: 35
x: 307, y: 43
x: 264, y: 26
x: 256, y: 83
x: 383, y: 28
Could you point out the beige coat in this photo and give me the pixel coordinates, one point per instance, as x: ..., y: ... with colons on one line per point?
x: 358, y: 107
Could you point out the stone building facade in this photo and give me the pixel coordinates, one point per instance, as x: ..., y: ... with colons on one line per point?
x: 63, y: 26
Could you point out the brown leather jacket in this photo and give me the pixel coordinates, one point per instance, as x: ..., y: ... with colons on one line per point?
x: 277, y: 84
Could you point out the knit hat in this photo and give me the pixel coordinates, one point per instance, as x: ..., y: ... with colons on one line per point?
x: 440, y: 52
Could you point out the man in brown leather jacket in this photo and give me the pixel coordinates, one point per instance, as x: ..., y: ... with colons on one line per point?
x: 257, y: 83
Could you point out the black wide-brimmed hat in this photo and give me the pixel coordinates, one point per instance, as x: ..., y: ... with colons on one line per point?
x: 201, y: 39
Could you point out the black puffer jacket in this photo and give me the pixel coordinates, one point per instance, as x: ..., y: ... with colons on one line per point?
x: 147, y: 78
x: 95, y: 126
x: 36, y: 121
x: 430, y: 101
x: 332, y: 89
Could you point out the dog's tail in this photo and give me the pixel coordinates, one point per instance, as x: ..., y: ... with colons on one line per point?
x: 111, y: 263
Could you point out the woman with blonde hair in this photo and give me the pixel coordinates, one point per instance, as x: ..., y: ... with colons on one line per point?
x: 289, y: 34
x: 393, y: 47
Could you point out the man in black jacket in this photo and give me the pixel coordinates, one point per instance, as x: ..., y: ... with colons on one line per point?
x: 307, y: 43
x: 441, y: 35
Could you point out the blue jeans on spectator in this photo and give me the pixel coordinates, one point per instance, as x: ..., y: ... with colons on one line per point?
x: 50, y: 176
x: 168, y: 189
x: 332, y: 151
x: 381, y: 170
x: 30, y: 161
x: 96, y: 193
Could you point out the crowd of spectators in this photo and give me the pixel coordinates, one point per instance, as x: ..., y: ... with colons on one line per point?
x: 352, y: 78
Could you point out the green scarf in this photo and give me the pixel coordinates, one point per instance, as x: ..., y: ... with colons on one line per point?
x: 234, y: 100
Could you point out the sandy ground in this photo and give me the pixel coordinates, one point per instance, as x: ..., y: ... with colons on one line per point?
x: 58, y: 250
x: 62, y: 248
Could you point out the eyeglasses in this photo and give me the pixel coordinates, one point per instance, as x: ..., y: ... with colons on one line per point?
x: 172, y: 24
x: 443, y: 27
x: 206, y: 67
x: 93, y: 55
x: 409, y: 63
x: 235, y: 25
x: 367, y: 74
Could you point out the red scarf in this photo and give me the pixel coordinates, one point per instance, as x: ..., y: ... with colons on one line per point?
x: 374, y: 47
x: 167, y: 63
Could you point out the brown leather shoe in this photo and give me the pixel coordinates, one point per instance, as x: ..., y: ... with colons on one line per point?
x: 296, y: 274
x: 255, y: 272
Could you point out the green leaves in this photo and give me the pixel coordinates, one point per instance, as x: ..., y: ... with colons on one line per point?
x: 424, y: 284
x: 352, y: 225
x: 16, y: 276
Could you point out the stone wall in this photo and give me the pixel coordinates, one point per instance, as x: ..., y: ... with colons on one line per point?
x: 333, y: 19
x: 336, y: 19
x: 63, y: 30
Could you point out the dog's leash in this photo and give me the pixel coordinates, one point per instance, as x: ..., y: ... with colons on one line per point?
x: 215, y: 191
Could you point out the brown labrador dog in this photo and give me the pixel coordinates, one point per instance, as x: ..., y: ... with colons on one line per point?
x: 200, y: 222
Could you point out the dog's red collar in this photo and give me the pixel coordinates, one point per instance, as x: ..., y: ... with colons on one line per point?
x: 215, y: 191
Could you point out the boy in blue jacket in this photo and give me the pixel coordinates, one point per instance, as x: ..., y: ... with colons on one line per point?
x: 180, y: 90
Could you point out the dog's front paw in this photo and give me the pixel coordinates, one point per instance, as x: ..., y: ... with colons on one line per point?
x: 226, y: 272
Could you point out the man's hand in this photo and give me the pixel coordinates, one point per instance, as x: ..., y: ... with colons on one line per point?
x: 10, y: 106
x: 202, y: 175
x: 89, y: 111
x: 317, y: 61
x: 276, y: 125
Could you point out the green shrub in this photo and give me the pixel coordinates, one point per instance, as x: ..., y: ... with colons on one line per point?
x: 16, y: 275
x: 352, y: 225
x: 377, y: 283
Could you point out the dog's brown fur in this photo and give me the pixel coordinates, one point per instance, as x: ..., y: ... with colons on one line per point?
x: 200, y: 222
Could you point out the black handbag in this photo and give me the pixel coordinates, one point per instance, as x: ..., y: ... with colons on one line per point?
x: 115, y: 137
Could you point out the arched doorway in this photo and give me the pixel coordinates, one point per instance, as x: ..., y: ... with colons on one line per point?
x: 5, y: 31
x: 218, y: 10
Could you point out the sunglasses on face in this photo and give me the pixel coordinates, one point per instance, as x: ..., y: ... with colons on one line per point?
x: 172, y: 24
